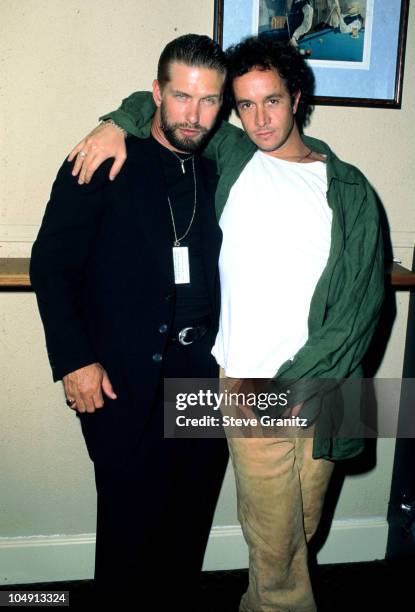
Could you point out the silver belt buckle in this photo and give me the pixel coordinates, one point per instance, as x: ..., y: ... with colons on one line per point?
x: 182, y: 334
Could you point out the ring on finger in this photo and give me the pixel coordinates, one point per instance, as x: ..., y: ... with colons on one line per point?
x: 82, y: 154
x: 70, y: 402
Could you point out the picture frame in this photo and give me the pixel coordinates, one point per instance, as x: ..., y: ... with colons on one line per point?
x: 372, y: 79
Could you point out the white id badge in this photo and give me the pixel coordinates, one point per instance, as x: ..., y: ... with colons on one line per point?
x: 181, y: 265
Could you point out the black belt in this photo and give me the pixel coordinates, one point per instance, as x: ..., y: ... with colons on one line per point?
x: 191, y: 333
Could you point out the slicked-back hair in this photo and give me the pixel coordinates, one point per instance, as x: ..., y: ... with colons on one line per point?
x: 263, y: 53
x: 191, y: 50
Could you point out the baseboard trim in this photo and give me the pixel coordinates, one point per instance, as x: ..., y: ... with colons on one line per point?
x: 349, y: 540
x: 59, y: 558
x: 46, y: 558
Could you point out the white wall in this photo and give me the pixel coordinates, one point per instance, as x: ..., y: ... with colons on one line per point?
x: 64, y: 63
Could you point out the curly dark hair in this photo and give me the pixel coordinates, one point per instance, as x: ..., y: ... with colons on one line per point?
x: 263, y: 53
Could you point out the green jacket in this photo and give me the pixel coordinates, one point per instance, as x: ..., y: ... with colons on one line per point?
x: 347, y: 300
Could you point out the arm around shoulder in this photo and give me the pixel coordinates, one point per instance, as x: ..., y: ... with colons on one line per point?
x: 227, y: 142
x: 134, y: 113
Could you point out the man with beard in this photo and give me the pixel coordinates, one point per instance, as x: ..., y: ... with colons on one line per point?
x: 126, y: 280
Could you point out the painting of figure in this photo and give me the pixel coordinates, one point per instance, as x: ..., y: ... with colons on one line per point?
x: 330, y: 30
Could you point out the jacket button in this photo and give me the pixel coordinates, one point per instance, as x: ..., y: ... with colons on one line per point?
x: 168, y: 297
x: 157, y: 357
x: 163, y: 328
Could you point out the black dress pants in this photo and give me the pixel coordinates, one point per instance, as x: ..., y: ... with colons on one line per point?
x: 155, y: 508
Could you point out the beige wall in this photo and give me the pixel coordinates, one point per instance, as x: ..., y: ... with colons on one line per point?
x: 64, y: 63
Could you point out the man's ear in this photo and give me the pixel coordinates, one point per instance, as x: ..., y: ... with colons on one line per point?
x: 156, y: 93
x: 296, y: 100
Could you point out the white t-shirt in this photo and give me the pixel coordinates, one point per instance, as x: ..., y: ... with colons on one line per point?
x: 276, y: 240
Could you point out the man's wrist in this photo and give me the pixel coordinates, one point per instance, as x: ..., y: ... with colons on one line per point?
x: 112, y: 122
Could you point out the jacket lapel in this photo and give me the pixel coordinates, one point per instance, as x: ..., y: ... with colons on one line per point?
x: 148, y: 198
x: 210, y: 230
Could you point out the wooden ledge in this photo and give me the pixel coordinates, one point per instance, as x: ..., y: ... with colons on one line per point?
x: 14, y: 273
x: 399, y: 276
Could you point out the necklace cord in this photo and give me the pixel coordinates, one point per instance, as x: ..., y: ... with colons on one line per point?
x: 177, y: 240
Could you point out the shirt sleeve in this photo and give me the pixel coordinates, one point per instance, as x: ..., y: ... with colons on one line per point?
x: 306, y: 24
x: 135, y: 112
x: 57, y: 267
x: 225, y: 143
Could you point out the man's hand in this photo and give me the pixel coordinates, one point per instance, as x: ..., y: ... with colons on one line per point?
x: 255, y: 386
x: 84, y: 386
x: 103, y: 142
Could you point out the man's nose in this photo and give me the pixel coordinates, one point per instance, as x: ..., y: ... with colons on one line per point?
x: 261, y: 116
x: 193, y: 112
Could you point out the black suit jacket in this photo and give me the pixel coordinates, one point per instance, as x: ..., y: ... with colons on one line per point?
x: 102, y: 271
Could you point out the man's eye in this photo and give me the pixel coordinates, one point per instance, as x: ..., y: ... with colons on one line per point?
x: 210, y: 101
x: 180, y: 96
x: 244, y: 106
x: 273, y: 101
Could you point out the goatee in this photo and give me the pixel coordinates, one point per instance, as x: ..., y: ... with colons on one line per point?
x: 183, y: 143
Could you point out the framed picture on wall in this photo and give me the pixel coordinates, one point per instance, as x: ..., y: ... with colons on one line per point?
x: 355, y: 49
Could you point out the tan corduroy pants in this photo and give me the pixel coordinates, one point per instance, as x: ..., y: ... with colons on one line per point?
x: 280, y: 491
